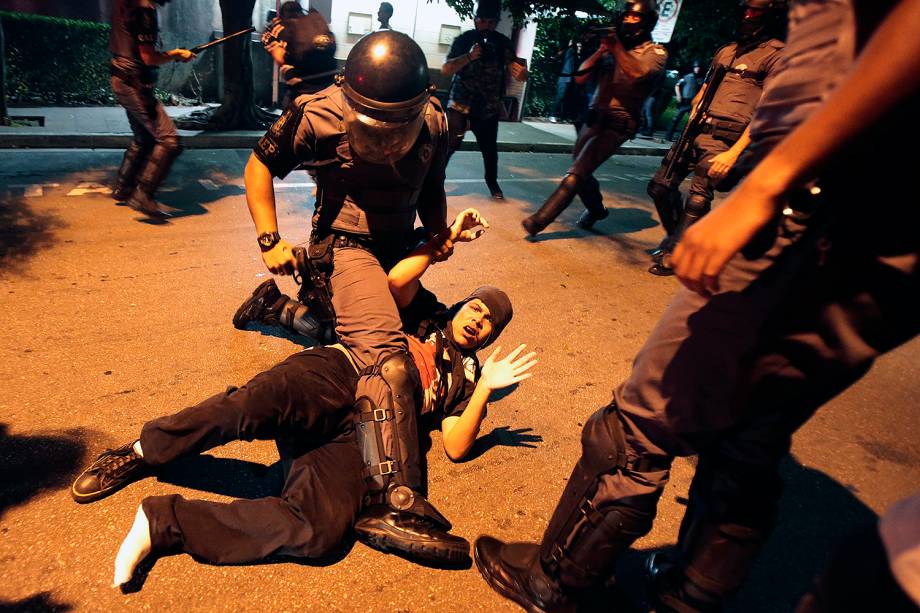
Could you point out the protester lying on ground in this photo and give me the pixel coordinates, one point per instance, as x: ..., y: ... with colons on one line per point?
x: 307, y: 404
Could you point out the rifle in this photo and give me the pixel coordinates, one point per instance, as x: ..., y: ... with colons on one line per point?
x: 219, y: 41
x: 678, y: 155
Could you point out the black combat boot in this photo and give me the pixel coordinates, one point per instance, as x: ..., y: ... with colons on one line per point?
x: 554, y: 205
x: 515, y: 572
x: 264, y: 305
x: 112, y: 470
x: 591, y: 197
x: 126, y: 180
x: 696, y: 208
x: 494, y: 189
x: 153, y: 174
x: 422, y: 536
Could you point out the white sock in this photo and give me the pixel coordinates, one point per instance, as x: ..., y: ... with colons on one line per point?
x: 133, y: 549
x: 137, y: 448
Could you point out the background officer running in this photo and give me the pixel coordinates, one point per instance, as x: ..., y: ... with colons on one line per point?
x: 749, y: 62
x: 629, y: 64
x: 150, y: 155
x: 377, y: 141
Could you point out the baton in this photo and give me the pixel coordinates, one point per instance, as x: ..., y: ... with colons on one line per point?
x: 200, y: 48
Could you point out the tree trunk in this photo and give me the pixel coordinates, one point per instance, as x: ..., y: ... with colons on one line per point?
x: 238, y: 110
x: 4, y: 117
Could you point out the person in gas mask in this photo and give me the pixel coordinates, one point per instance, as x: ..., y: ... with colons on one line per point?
x: 135, y: 58
x: 377, y: 142
x: 749, y: 63
x: 627, y: 64
x: 793, y: 288
x: 477, y: 62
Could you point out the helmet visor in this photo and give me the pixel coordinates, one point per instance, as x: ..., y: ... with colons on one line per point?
x: 382, y: 137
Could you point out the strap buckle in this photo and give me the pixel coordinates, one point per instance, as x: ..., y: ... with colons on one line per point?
x: 387, y: 468
x: 381, y: 415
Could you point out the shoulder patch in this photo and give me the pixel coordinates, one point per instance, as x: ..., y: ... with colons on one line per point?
x: 660, y: 50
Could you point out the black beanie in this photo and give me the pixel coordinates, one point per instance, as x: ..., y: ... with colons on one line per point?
x: 499, y: 306
x: 489, y: 9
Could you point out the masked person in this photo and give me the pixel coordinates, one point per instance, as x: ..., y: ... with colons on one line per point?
x: 749, y: 63
x: 793, y: 290
x: 303, y: 47
x: 685, y: 91
x: 305, y: 403
x: 628, y: 64
x: 377, y: 142
x: 146, y: 163
x: 477, y: 62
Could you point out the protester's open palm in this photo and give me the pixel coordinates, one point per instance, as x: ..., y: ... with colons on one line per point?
x: 497, y: 374
x: 468, y: 226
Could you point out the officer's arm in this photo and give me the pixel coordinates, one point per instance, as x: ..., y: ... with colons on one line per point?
x: 278, y: 55
x: 588, y: 65
x: 260, y: 197
x: 630, y: 64
x: 886, y: 73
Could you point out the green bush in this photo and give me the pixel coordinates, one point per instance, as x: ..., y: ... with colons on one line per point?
x: 56, y: 61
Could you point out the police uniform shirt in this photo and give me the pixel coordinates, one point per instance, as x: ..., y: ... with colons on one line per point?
x: 132, y: 26
x: 448, y: 374
x: 617, y: 92
x: 743, y: 84
x: 478, y: 87
x: 355, y: 196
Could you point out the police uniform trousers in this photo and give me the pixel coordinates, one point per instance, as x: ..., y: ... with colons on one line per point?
x: 731, y: 377
x: 305, y: 403
x: 486, y: 133
x: 148, y: 119
x: 597, y: 141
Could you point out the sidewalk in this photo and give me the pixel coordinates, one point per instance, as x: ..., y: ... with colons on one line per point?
x: 107, y: 127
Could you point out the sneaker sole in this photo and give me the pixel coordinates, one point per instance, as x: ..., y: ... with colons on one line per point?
x: 432, y: 551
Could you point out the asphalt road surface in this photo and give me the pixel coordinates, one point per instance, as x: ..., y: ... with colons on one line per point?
x: 109, y: 321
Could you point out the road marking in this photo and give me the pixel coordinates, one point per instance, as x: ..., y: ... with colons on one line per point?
x: 89, y: 188
x: 208, y: 184
x: 286, y: 185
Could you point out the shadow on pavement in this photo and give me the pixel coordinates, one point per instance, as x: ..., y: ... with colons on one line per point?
x: 503, y: 436
x: 815, y: 513
x: 23, y: 232
x: 226, y: 476
x: 36, y: 463
x: 279, y: 332
x: 43, y: 602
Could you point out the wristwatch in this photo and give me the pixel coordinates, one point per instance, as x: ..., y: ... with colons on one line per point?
x: 268, y: 240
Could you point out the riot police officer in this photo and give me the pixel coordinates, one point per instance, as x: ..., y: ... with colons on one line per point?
x: 377, y: 141
x: 135, y: 59
x: 629, y: 64
x: 303, y: 46
x: 793, y: 289
x: 748, y: 62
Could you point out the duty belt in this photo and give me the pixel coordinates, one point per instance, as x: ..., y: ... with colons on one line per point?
x: 351, y: 241
x: 722, y: 128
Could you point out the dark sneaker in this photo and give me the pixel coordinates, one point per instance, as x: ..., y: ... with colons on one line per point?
x: 514, y: 571
x: 258, y: 305
x: 588, y: 219
x: 661, y: 265
x: 389, y: 530
x: 112, y: 470
x: 495, y: 190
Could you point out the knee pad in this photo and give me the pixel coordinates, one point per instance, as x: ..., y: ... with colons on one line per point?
x: 698, y: 205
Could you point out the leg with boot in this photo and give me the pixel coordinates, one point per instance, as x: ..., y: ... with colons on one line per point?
x: 595, y: 211
x: 310, y: 394
x: 149, y: 122
x: 267, y: 305
x: 387, y: 402
x: 134, y: 159
x: 486, y: 133
x: 590, y: 527
x: 594, y: 146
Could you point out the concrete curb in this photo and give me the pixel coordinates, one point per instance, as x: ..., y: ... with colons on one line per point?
x: 247, y: 140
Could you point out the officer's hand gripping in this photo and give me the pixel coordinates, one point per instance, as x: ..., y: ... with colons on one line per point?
x: 279, y: 260
x: 181, y: 55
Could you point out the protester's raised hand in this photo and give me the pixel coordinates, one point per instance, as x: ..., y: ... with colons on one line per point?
x: 468, y: 226
x: 500, y: 373
x: 475, y: 52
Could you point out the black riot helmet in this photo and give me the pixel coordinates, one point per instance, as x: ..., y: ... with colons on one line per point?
x: 636, y: 32
x: 386, y: 89
x: 762, y: 19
